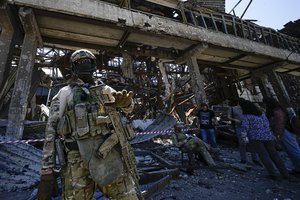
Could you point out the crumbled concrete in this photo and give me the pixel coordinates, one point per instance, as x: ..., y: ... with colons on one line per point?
x: 20, y: 166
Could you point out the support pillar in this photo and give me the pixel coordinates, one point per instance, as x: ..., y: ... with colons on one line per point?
x: 197, y: 81
x: 19, y: 101
x: 7, y: 43
x: 279, y: 89
x: 262, y: 82
x: 127, y: 66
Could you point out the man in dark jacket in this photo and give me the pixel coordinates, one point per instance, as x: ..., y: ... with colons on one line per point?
x: 206, y: 120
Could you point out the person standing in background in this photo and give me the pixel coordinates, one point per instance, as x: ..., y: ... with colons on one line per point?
x: 279, y: 123
x: 235, y: 115
x: 206, y: 120
x: 256, y: 127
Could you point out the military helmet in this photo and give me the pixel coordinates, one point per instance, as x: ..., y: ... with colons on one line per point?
x: 83, y: 62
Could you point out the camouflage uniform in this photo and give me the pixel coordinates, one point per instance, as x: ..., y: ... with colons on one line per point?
x: 191, y: 145
x: 77, y: 182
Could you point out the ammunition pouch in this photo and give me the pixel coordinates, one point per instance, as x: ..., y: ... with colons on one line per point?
x: 107, y: 145
x: 102, y: 158
x: 81, y: 120
x: 64, y: 126
x: 96, y: 125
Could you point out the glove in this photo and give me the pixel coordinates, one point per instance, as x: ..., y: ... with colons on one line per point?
x: 48, y: 185
x: 122, y: 99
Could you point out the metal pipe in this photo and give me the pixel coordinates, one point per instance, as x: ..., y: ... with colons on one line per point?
x: 235, y: 6
x: 246, y: 9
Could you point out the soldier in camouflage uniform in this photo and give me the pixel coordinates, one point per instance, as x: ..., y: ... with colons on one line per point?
x: 191, y: 145
x: 93, y: 153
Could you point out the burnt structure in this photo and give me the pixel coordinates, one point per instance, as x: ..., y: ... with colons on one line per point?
x: 171, y: 54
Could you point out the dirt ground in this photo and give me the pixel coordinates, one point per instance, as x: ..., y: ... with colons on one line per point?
x: 230, y: 183
x: 225, y: 183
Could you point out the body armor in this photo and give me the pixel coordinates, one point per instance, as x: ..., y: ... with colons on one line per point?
x: 87, y: 123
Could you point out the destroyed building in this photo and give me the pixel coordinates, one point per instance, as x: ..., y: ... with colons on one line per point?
x: 172, y: 54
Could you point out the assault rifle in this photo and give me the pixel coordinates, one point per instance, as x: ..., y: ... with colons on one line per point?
x: 124, y: 133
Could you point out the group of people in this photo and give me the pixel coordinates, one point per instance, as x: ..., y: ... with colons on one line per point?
x: 260, y: 130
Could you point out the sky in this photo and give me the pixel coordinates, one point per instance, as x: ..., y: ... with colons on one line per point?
x: 269, y: 13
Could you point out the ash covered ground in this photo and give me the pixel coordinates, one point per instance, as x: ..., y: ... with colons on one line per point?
x: 231, y: 180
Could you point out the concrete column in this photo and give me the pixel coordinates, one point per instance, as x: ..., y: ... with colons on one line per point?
x: 261, y: 81
x: 7, y: 43
x: 19, y: 101
x: 127, y: 66
x: 197, y: 81
x: 279, y: 89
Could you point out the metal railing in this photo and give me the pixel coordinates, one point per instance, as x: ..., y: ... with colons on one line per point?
x: 238, y: 27
x: 221, y: 22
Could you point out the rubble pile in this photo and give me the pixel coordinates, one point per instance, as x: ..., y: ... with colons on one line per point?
x: 20, y: 166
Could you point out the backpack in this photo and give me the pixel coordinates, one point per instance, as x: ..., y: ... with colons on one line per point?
x: 294, y: 122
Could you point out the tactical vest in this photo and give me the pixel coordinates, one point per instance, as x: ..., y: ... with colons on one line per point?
x: 87, y: 123
x: 83, y: 117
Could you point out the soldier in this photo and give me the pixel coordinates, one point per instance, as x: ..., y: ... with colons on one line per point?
x: 84, y: 114
x: 192, y: 145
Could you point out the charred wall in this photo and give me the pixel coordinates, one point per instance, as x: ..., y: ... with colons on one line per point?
x: 216, y: 5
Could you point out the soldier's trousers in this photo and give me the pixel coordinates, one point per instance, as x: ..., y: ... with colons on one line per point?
x: 78, y: 185
x: 196, y: 145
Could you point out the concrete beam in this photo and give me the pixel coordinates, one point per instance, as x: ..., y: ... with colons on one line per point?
x: 102, y: 11
x: 165, y: 54
x: 191, y: 52
x: 19, y: 100
x: 269, y: 67
x: 197, y: 81
x: 223, y: 65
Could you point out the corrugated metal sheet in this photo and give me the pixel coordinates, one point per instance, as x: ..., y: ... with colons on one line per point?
x: 162, y: 122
